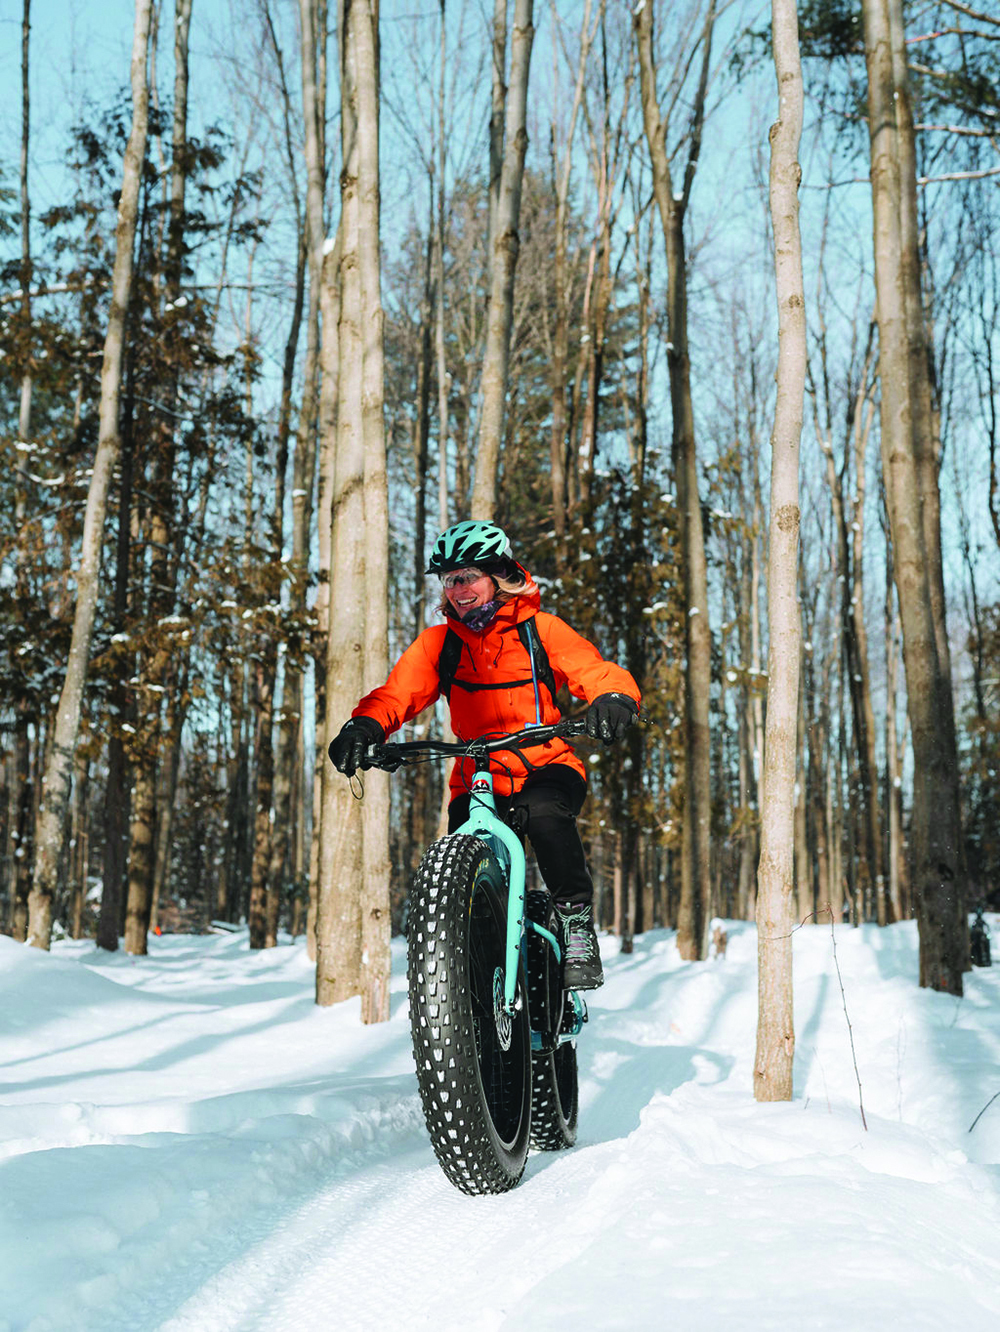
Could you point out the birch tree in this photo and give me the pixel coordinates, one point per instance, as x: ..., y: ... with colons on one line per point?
x: 338, y: 905
x: 352, y: 930
x: 775, y: 875
x: 561, y: 274
x: 20, y: 809
x: 375, y: 921
x: 504, y: 246
x: 57, y: 779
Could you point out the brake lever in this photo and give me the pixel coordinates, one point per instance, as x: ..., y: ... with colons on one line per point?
x: 383, y: 759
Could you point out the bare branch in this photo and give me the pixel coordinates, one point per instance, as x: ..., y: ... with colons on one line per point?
x: 959, y: 175
x: 972, y: 13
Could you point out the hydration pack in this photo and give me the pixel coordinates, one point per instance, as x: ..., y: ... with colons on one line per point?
x: 538, y: 661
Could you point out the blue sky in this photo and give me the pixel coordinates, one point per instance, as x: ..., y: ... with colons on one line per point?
x: 79, y: 51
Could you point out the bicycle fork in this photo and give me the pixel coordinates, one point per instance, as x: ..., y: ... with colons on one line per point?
x: 485, y: 822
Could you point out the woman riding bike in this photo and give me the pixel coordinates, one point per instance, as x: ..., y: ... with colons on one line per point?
x: 499, y: 660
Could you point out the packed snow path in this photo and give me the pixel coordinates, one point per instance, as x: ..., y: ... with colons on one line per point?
x: 187, y: 1142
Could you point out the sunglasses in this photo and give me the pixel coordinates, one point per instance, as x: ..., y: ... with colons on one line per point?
x: 462, y: 576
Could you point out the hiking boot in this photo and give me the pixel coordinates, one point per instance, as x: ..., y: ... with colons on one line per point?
x: 582, y: 968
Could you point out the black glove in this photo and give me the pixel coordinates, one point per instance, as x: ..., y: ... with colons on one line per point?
x: 349, y: 751
x: 610, y: 716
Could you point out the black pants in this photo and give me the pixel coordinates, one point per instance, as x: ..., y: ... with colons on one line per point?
x: 545, y: 810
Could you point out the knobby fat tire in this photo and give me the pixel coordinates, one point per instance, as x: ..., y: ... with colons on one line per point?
x: 554, y: 1087
x: 476, y: 1095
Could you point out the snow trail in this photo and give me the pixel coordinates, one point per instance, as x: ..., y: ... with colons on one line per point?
x: 188, y: 1144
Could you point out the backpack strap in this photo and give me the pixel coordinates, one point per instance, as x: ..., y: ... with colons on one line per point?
x: 451, y: 652
x: 541, y: 670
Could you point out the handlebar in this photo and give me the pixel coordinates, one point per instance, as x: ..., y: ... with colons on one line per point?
x: 390, y: 756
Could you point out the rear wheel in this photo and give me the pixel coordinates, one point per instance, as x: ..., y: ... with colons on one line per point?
x: 473, y: 1058
x: 554, y: 1088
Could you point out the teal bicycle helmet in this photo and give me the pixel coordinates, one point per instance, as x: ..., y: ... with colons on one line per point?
x: 472, y: 545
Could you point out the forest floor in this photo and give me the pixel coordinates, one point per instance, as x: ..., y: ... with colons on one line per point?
x: 188, y: 1142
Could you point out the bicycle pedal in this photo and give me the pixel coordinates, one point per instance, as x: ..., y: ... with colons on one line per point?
x: 574, y: 1014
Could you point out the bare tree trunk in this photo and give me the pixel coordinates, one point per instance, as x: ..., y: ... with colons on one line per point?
x: 166, y: 799
x: 376, y: 925
x: 353, y: 908
x: 937, y: 842
x: 893, y: 759
x: 617, y: 891
x: 839, y: 896
x: 275, y: 841
x: 503, y: 261
x: 328, y: 436
x: 751, y: 720
x: 747, y: 841
x: 861, y: 686
x: 263, y: 688
x: 926, y: 439
x: 422, y: 425
x: 80, y: 844
x: 235, y: 768
x: 439, y: 332
x: 51, y: 825
x: 927, y: 446
x: 576, y: 483
x: 818, y: 787
x: 141, y: 859
x: 696, y: 862
x: 561, y: 282
x: 803, y: 894
x: 179, y: 149
x: 820, y: 771
x: 24, y: 413
x: 274, y: 824
x: 21, y: 791
x: 287, y: 810
x: 854, y: 641
x: 775, y: 878
x: 498, y: 100
x: 154, y: 655
x: 22, y: 811
x: 116, y: 788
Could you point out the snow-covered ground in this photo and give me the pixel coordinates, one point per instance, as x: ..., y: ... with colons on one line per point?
x: 188, y: 1143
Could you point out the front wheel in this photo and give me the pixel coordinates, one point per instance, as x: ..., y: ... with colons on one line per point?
x: 473, y: 1058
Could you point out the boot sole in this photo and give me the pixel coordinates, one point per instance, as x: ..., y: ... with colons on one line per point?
x: 581, y: 984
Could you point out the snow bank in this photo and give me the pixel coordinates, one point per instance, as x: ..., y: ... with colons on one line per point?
x: 187, y: 1142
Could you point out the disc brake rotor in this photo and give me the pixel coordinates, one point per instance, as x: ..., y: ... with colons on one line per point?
x: 505, y: 1026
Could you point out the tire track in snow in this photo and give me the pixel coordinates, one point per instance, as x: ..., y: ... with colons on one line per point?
x: 396, y: 1245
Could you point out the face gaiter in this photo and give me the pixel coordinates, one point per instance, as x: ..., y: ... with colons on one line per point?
x: 480, y: 616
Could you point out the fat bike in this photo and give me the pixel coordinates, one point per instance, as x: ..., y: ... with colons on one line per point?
x: 494, y: 1032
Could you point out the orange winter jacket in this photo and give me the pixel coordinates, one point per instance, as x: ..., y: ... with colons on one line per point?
x: 495, y: 656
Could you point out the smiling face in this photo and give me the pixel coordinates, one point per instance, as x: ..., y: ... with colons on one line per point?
x: 467, y: 589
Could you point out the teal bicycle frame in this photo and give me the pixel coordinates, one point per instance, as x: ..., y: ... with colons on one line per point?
x: 485, y: 823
